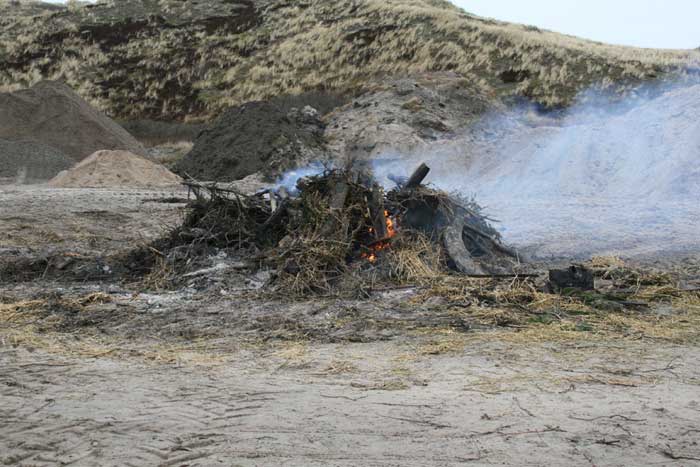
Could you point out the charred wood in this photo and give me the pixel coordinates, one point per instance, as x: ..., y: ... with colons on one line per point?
x: 377, y: 213
x: 417, y: 177
x: 573, y: 277
x: 457, y: 250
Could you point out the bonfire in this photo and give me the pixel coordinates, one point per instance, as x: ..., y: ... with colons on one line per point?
x: 341, y: 231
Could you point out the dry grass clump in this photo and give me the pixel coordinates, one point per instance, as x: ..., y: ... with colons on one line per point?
x: 50, y: 324
x: 199, y: 67
x: 312, y: 264
x: 620, y: 274
x: 88, y: 346
x: 446, y: 344
x: 19, y: 311
x: 161, y: 274
x: 414, y: 258
x: 679, y: 324
x: 641, y: 305
x: 29, y: 310
x: 339, y: 367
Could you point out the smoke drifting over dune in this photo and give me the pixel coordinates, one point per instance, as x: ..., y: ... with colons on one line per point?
x: 620, y: 178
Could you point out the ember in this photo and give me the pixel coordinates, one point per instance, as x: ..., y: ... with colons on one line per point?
x: 390, y: 225
x: 374, y: 250
x: 380, y: 245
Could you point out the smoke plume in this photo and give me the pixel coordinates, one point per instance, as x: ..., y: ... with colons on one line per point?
x: 603, y: 178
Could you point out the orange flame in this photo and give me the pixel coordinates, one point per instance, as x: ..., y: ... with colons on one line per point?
x: 375, y: 248
x: 371, y: 256
x: 390, y: 227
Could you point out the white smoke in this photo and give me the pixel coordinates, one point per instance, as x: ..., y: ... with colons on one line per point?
x: 289, y: 179
x: 604, y: 178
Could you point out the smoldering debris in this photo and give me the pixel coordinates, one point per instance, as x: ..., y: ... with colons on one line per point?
x: 342, y: 232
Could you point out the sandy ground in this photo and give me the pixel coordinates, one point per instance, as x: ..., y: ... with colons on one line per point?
x: 376, y: 404
x: 216, y: 377
x: 94, y: 221
x: 631, y: 228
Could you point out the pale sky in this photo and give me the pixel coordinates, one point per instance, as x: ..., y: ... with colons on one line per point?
x: 670, y: 24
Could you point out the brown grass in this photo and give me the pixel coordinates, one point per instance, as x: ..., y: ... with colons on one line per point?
x: 339, y: 46
x: 525, y: 314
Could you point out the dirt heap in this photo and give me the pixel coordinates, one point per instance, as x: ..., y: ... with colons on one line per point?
x: 118, y: 169
x: 264, y: 137
x: 409, y: 114
x: 51, y: 113
x: 31, y: 160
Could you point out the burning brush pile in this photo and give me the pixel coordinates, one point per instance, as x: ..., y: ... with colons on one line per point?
x: 340, y: 232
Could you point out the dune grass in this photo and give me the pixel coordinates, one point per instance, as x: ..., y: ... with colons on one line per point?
x: 184, y: 66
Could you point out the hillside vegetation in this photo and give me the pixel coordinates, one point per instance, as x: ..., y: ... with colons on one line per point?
x: 168, y: 59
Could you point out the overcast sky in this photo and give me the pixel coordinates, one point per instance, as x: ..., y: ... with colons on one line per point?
x: 670, y: 24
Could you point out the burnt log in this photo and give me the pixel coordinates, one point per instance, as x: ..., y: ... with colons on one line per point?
x: 573, y: 277
x: 417, y: 177
x: 276, y: 215
x: 377, y: 213
x: 494, y: 245
x: 457, y: 250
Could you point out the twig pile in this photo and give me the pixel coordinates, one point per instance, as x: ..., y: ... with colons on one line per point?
x: 342, y: 232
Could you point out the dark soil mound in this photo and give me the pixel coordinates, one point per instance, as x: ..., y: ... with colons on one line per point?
x: 154, y: 133
x: 51, y: 113
x: 267, y: 137
x: 33, y: 160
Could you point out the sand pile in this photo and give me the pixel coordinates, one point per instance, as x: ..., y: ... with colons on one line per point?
x: 268, y: 137
x: 31, y: 160
x: 115, y: 169
x: 51, y: 113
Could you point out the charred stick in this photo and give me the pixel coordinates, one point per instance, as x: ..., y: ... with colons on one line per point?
x: 377, y: 213
x: 417, y: 177
x: 276, y: 215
